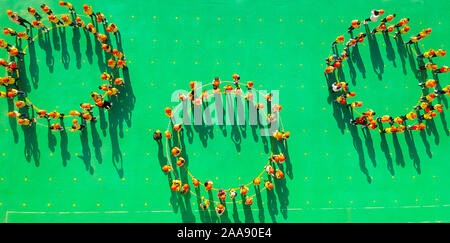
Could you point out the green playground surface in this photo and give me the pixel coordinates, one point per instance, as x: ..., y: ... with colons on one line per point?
x: 111, y: 172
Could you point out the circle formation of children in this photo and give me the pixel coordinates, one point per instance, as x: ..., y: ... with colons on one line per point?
x: 274, y: 167
x: 426, y: 109
x: 27, y: 113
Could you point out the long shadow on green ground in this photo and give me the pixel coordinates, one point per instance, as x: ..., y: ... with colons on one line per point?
x: 277, y: 199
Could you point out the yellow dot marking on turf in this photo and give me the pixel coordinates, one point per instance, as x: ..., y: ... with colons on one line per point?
x: 26, y: 179
x: 74, y: 205
x: 98, y: 204
x: 48, y: 204
x: 24, y: 204
x: 123, y: 179
x: 99, y: 179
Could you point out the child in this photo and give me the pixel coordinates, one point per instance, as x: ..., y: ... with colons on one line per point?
x: 56, y: 115
x: 157, y: 135
x: 119, y: 81
x: 268, y: 185
x: 167, y: 168
x: 204, y: 204
x: 86, y: 106
x: 101, y: 37
x: 388, y: 18
x: 101, y: 18
x: 180, y: 162
x: 112, y: 28
x: 43, y: 114
x: 46, y: 9
x: 403, y: 30
x: 208, y: 185
x: 428, y: 66
x: 431, y: 83
x: 25, y: 121
x: 185, y: 189
x: 444, y: 91
x: 22, y: 104
x: 439, y: 53
x: 80, y: 22
x: 379, y: 28
x: 338, y: 40
x: 56, y: 127
x: 25, y: 36
x: 351, y: 43
x: 90, y: 27
x: 54, y: 19
x: 428, y: 54
x: 443, y: 69
x: 9, y: 31
x: 118, y: 54
x: 76, y: 126
x: 122, y: 64
x: 249, y: 201
x: 68, y: 21
x: 220, y: 209
x: 88, y: 10
x: 107, y: 48
x: 222, y: 195
x: 175, y: 151
x: 88, y: 117
x: 244, y: 189
x: 103, y: 104
x: 402, y: 22
x: 233, y: 194
x: 374, y: 14
x: 4, y: 44
x: 75, y: 113
x: 13, y: 16
x: 39, y: 25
